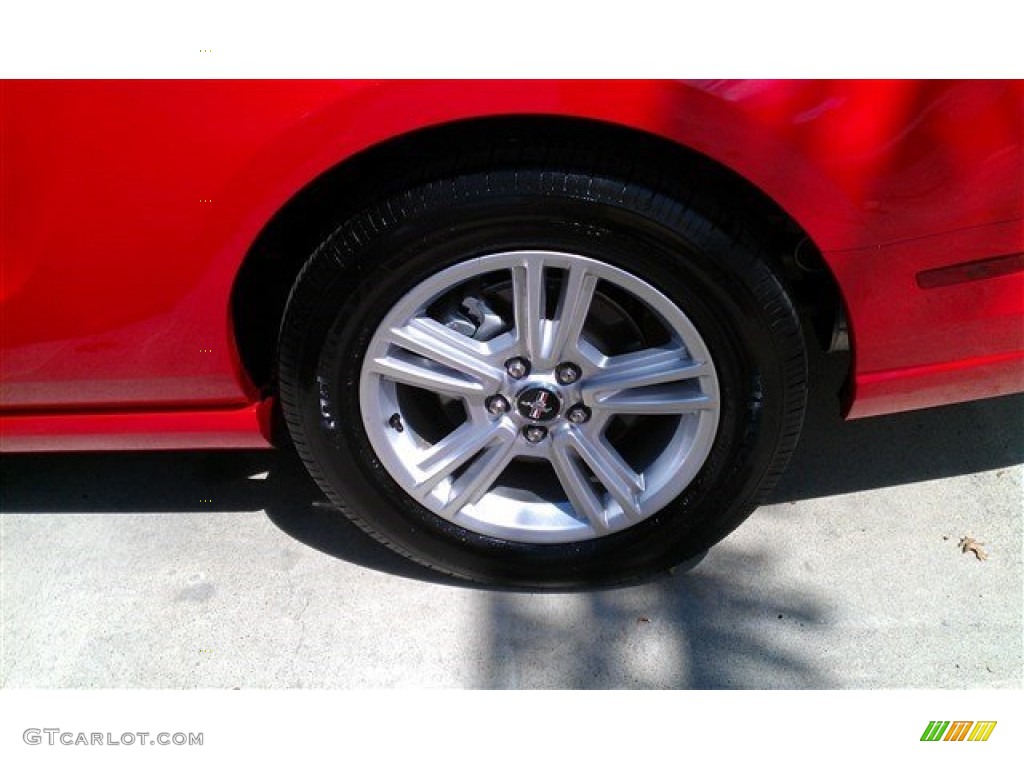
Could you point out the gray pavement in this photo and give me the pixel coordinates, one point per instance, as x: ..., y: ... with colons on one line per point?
x: 226, y: 570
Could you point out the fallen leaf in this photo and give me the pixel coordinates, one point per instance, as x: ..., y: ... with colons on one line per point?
x: 967, y: 544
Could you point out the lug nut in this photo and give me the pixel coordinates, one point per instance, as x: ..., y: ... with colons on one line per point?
x: 578, y: 414
x: 568, y: 373
x: 534, y: 434
x: 517, y: 367
x: 497, y: 405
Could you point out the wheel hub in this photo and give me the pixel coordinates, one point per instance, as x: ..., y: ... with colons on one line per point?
x: 538, y: 404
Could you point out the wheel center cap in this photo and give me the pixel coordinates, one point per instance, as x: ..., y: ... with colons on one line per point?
x: 538, y: 404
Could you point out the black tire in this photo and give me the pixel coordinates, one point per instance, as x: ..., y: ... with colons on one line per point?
x: 709, y: 268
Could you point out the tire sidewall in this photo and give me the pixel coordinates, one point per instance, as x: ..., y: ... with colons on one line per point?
x: 373, y: 260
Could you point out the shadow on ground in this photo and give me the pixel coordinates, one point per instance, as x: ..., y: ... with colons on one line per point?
x: 836, y: 456
x: 704, y: 629
x: 194, y: 481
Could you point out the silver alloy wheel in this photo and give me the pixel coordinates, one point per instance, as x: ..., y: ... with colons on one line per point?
x: 596, y: 436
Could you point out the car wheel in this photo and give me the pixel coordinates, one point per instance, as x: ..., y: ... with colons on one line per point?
x: 541, y: 377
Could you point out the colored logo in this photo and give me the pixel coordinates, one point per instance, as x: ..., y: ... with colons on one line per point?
x: 958, y: 730
x: 538, y: 404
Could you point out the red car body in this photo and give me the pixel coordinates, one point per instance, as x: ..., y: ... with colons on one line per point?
x: 130, y: 207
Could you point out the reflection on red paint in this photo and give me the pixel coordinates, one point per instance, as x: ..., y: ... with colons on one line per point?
x: 118, y: 268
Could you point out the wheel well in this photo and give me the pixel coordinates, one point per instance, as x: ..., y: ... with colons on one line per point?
x: 273, y: 262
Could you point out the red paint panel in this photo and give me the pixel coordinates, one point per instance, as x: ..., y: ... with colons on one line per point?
x: 145, y: 431
x: 905, y: 389
x: 130, y: 205
x: 896, y: 325
x: 914, y: 158
x: 115, y: 295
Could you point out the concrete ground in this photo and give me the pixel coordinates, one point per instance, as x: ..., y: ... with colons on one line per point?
x: 225, y: 570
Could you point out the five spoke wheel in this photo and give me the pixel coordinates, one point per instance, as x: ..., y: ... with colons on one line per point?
x: 543, y: 397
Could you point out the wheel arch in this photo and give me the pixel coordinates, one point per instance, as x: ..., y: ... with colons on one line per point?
x: 274, y: 259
